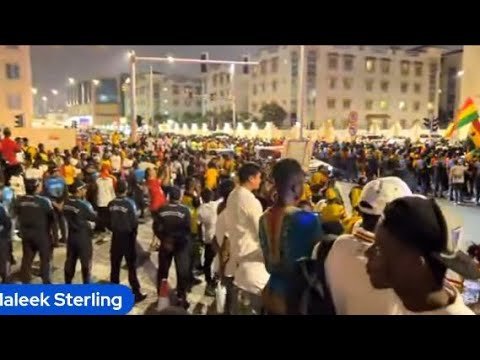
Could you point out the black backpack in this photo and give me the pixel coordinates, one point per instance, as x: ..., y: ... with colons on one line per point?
x: 309, y: 293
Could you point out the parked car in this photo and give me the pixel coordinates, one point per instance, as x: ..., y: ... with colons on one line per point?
x: 433, y: 138
x: 397, y: 140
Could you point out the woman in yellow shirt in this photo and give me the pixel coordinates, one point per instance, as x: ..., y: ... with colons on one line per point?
x: 211, y: 177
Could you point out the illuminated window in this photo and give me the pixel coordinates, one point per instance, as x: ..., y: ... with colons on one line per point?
x: 370, y: 64
x: 368, y: 104
x: 383, y: 105
x: 331, y: 103
x: 402, y: 106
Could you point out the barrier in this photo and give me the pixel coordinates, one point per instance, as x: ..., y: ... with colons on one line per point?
x: 50, y: 138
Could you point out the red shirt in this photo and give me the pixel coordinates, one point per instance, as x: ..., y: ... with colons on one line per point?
x: 9, y: 149
x: 157, y: 197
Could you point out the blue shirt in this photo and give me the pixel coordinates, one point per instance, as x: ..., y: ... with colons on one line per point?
x: 139, y: 175
x: 55, y: 187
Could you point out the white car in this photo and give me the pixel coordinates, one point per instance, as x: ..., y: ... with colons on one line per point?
x: 397, y: 140
x: 371, y: 139
x: 315, y: 163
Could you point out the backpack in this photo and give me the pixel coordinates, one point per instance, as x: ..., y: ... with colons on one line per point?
x: 310, y: 294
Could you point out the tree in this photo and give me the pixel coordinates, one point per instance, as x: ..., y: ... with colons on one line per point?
x: 160, y: 118
x: 273, y: 113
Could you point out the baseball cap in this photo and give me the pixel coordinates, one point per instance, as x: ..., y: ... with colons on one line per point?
x: 77, y: 185
x: 379, y: 192
x: 421, y: 224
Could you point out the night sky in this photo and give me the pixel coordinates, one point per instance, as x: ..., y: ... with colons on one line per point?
x: 53, y: 65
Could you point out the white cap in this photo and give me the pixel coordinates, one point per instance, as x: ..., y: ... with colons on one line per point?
x: 379, y: 192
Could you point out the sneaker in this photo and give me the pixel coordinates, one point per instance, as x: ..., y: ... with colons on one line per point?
x: 140, y: 297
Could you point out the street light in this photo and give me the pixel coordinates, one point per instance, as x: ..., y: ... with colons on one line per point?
x: 96, y: 82
x: 170, y: 59
x: 127, y: 80
x: 54, y: 92
x: 34, y: 91
x: 45, y: 105
x: 71, y: 81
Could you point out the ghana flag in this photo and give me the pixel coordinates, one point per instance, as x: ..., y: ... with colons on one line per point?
x: 475, y: 133
x: 466, y: 115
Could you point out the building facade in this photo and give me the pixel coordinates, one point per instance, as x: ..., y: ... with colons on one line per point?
x: 16, y: 96
x: 173, y: 96
x: 94, y: 102
x: 450, y: 84
x: 221, y: 92
x: 385, y: 85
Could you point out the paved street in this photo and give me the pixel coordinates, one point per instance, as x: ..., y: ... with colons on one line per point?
x: 101, y: 272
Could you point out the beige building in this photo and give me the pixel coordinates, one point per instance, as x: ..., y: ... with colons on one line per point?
x: 94, y: 102
x: 379, y: 84
x: 218, y: 88
x: 173, y: 96
x: 450, y: 84
x: 15, y: 84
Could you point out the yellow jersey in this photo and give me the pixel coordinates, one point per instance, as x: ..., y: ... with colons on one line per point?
x: 211, y: 178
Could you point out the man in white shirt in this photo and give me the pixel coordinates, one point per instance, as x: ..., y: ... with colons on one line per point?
x: 116, y: 161
x: 242, y: 216
x: 207, y: 219
x: 345, y: 266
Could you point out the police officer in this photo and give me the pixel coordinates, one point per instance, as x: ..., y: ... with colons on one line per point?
x: 171, y: 224
x: 79, y: 213
x: 56, y: 190
x: 35, y: 219
x: 123, y: 223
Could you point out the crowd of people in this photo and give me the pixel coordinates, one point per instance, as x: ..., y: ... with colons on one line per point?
x: 256, y: 227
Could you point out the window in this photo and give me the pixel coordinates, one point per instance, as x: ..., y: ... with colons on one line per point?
x: 402, y: 106
x: 254, y: 89
x: 176, y: 91
x: 263, y: 67
x: 14, y: 101
x: 13, y: 71
x: 418, y: 68
x: 294, y: 63
x: 175, y: 102
x: 198, y: 90
x: 404, y: 87
x: 332, y: 61
x: 370, y: 64
x: 346, y: 104
x: 347, y: 83
x: 405, y: 67
x: 369, y: 84
x: 254, y: 106
x: 384, y: 85
x: 416, y: 88
x: 331, y: 103
x: 221, y: 94
x: 274, y: 85
x: 220, y: 78
x: 332, y: 82
x: 383, y: 105
x: 214, y: 79
x: 403, y: 123
x: 385, y: 65
x: 368, y: 104
x: 275, y: 64
x: 262, y: 87
x: 348, y: 62
x: 254, y: 72
x: 416, y: 106
x: 156, y: 91
x: 227, y: 78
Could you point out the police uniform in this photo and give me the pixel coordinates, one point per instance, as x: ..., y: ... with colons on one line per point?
x: 123, y: 224
x: 35, y: 218
x: 78, y: 213
x: 55, y: 190
x: 172, y: 226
